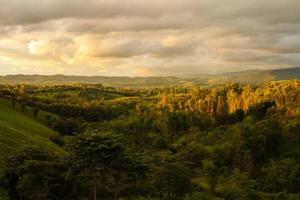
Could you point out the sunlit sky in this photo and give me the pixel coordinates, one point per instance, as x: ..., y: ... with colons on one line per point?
x: 147, y: 37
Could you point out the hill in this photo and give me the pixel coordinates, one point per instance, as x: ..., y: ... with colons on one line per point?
x: 256, y: 76
x: 107, y: 81
x: 250, y: 76
x: 18, y: 130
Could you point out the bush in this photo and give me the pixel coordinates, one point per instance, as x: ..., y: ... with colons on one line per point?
x: 201, y: 196
x: 67, y: 126
x: 57, y: 140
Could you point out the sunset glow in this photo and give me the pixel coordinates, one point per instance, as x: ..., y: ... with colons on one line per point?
x: 147, y: 38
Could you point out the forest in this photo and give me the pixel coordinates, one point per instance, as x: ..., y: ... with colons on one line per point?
x: 223, y: 142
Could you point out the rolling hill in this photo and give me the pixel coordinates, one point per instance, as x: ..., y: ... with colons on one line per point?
x: 18, y: 130
x: 250, y: 76
x: 106, y: 81
x: 256, y: 76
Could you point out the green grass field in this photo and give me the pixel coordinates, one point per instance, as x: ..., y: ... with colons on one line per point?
x: 18, y: 130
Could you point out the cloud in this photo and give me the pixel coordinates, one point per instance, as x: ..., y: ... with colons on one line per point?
x: 120, y: 45
x: 155, y: 37
x: 39, y: 47
x: 63, y: 49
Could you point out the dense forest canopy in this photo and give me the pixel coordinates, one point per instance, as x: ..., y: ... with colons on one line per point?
x: 229, y: 141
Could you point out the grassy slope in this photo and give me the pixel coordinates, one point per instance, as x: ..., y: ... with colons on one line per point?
x: 18, y: 130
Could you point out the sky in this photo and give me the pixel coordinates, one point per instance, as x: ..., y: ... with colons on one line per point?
x: 147, y: 37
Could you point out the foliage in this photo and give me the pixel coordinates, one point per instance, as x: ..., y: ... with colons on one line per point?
x: 233, y: 142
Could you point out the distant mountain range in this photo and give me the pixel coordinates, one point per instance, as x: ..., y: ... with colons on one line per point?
x: 250, y: 76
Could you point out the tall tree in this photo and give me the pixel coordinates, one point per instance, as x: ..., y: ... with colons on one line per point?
x: 103, y: 155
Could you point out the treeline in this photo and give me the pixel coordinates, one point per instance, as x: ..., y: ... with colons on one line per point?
x: 223, y: 101
x: 83, y: 103
x: 89, y: 113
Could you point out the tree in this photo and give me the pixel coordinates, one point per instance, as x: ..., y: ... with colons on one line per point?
x: 35, y: 112
x: 97, y: 154
x: 262, y: 139
x: 260, y: 110
x: 237, y: 116
x: 21, y: 90
x: 212, y: 172
x: 282, y: 175
x: 67, y: 126
x: 13, y: 102
x: 171, y: 176
x: 25, y: 175
x: 201, y: 196
x: 23, y: 107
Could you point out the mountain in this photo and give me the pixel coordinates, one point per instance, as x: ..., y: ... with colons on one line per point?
x: 17, y: 130
x: 250, y: 76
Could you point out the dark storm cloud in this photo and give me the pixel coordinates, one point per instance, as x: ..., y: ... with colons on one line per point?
x: 205, y: 11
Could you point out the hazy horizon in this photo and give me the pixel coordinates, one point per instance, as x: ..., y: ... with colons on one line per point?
x: 147, y: 38
x: 145, y: 76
